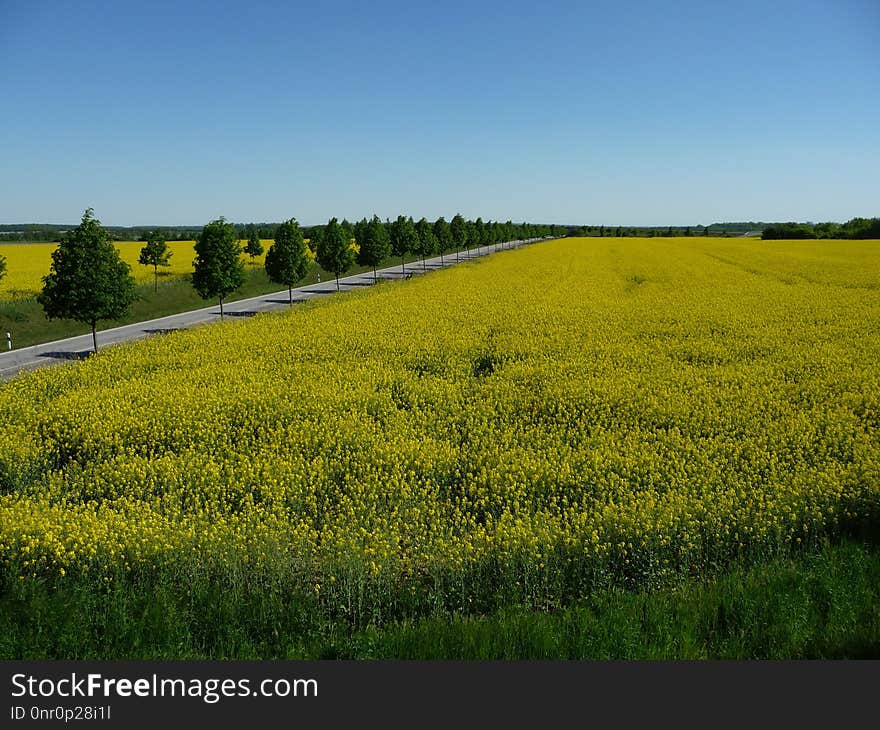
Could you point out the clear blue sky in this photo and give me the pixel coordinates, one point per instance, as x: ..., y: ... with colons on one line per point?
x: 574, y: 112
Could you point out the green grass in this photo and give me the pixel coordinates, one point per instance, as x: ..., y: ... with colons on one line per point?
x: 821, y: 604
x: 28, y: 324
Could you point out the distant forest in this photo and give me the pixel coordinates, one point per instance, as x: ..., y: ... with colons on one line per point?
x: 715, y: 229
x: 52, y: 232
x: 855, y: 228
x: 43, y: 232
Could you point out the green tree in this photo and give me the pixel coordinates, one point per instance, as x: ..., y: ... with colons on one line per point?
x: 316, y: 233
x: 404, y: 239
x: 254, y: 248
x: 218, y: 270
x: 286, y: 260
x: 480, y: 236
x: 374, y: 243
x: 470, y: 236
x: 349, y: 230
x: 788, y: 230
x: 427, y: 241
x: 156, y: 253
x: 2, y: 267
x: 334, y: 250
x: 443, y: 233
x: 359, y: 233
x: 459, y: 230
x: 88, y: 281
x: 491, y: 233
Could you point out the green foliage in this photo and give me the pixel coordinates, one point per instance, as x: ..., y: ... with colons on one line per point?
x: 489, y: 234
x: 404, y: 238
x: 856, y: 228
x: 788, y: 230
x: 481, y: 238
x: 217, y: 270
x: 286, y: 260
x: 472, y: 237
x: 315, y: 234
x: 459, y: 231
x: 443, y: 233
x: 334, y: 250
x: 374, y: 242
x: 427, y: 241
x: 859, y: 228
x: 155, y: 253
x: 821, y: 605
x: 347, y: 227
x: 88, y: 281
x: 359, y: 232
x: 254, y: 248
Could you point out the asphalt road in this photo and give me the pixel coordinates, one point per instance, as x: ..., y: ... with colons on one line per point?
x: 79, y: 347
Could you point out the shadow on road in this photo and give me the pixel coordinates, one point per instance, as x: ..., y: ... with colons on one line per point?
x: 284, y: 301
x: 163, y: 330
x: 241, y: 314
x: 62, y: 355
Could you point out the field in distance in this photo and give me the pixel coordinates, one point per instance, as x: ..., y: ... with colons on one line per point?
x: 28, y: 263
x: 23, y: 317
x: 524, y: 433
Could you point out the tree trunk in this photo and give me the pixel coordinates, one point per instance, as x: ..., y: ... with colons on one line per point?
x: 337, y: 282
x: 221, y: 308
x: 402, y: 265
x: 290, y: 293
x: 94, y: 335
x: 456, y: 254
x: 442, y: 264
x: 155, y: 278
x: 375, y: 276
x: 424, y: 265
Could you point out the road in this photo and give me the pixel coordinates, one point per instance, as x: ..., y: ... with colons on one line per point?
x: 79, y: 347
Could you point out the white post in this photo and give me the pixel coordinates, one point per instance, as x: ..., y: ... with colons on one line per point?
x: 8, y: 340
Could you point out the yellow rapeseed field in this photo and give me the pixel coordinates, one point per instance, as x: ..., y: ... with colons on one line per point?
x: 577, y: 411
x: 28, y: 263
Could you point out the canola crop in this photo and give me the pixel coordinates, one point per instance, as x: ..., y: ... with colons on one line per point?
x: 28, y: 263
x: 524, y: 427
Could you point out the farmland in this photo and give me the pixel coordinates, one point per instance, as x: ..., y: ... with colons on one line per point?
x: 28, y: 263
x: 530, y: 431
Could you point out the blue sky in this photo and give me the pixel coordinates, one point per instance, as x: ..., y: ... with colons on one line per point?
x: 615, y: 112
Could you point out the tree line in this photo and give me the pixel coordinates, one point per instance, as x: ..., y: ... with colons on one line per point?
x: 855, y: 228
x: 89, y: 282
x: 624, y: 231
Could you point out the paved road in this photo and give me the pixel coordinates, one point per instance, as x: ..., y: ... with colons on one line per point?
x: 78, y: 348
